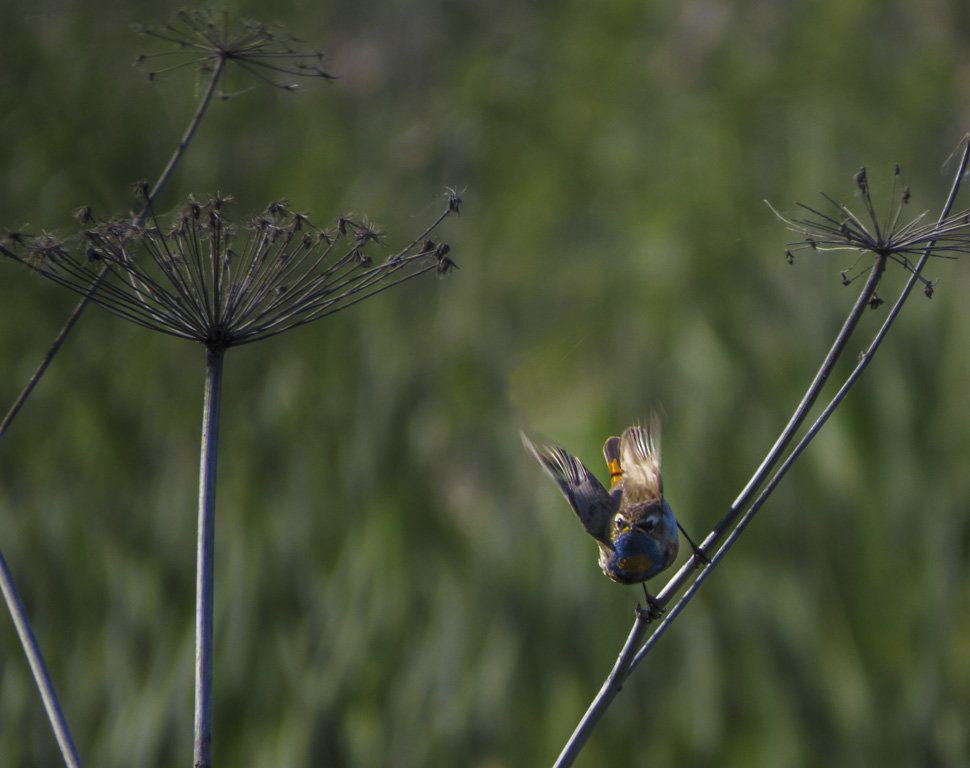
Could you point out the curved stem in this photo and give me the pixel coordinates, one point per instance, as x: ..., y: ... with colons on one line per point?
x: 851, y: 379
x: 9, y: 589
x: 56, y: 345
x: 733, y: 517
x: 173, y: 161
x: 608, y: 692
x: 204, y: 556
x: 611, y: 687
x: 877, y: 270
x: 36, y: 660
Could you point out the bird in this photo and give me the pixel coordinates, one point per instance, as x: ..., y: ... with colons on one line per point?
x: 631, y: 522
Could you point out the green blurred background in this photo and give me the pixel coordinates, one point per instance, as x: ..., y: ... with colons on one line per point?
x: 397, y: 583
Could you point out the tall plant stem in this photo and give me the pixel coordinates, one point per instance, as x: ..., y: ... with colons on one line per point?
x: 746, y: 505
x: 788, y: 433
x: 55, y: 345
x: 36, y: 660
x: 641, y: 625
x: 9, y: 589
x: 864, y: 360
x: 173, y: 161
x: 204, y: 556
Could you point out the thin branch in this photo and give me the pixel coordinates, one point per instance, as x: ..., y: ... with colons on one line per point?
x: 611, y: 687
x: 850, y: 380
x: 56, y: 345
x: 173, y: 161
x: 628, y: 661
x: 10, y: 594
x: 37, y: 667
x: 208, y: 460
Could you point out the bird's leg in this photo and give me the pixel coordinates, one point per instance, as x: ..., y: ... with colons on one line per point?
x: 654, y: 609
x: 698, y: 552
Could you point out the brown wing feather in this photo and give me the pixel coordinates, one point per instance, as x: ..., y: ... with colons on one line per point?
x: 586, y: 495
x: 640, y: 459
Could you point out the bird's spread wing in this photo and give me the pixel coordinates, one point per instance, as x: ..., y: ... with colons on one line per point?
x: 640, y: 459
x: 586, y: 495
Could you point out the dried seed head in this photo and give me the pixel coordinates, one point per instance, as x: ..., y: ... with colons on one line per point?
x: 444, y: 265
x: 454, y: 201
x: 205, y: 39
x: 209, y: 279
x: 892, y: 238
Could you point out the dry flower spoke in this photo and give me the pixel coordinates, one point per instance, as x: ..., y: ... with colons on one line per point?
x: 207, y: 278
x: 204, y: 38
x: 895, y: 239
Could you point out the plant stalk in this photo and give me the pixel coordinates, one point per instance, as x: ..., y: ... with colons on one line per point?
x: 204, y: 556
x: 733, y: 521
x: 800, y: 412
x: 36, y: 660
x: 173, y: 161
x: 55, y: 345
x: 7, y: 586
x: 611, y: 687
x: 629, y: 658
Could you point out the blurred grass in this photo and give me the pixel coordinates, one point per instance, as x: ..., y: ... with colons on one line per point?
x: 396, y: 584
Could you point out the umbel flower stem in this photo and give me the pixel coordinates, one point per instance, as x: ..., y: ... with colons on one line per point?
x: 729, y: 528
x: 184, y: 143
x: 222, y: 282
x: 37, y: 666
x: 629, y: 656
x: 208, y: 459
x: 11, y: 597
x: 48, y: 357
x: 212, y: 45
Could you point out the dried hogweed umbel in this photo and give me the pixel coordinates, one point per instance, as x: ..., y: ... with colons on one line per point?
x: 205, y: 39
x: 894, y: 239
x: 207, y: 279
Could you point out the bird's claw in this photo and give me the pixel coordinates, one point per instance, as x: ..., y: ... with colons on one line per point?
x: 654, y: 609
x: 700, y: 557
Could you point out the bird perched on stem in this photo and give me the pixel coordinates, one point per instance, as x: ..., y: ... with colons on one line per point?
x: 634, y: 526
